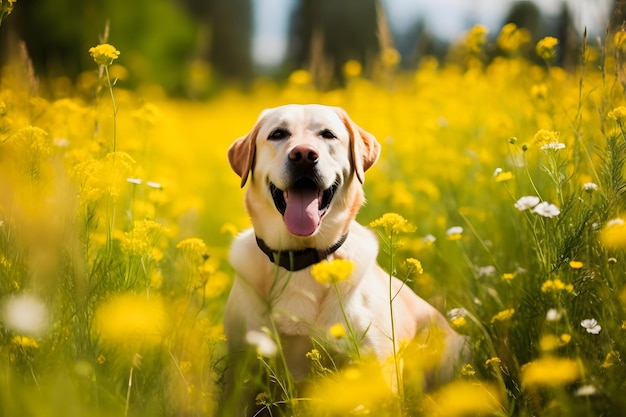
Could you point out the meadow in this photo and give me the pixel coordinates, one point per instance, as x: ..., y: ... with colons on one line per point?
x: 117, y: 208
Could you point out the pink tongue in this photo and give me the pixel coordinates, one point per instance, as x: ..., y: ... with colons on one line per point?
x: 302, y: 216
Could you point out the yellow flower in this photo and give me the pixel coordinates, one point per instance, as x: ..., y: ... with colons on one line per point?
x: 555, y: 285
x: 620, y: 39
x: 300, y: 77
x: 468, y: 370
x: 545, y: 47
x: 313, y: 355
x: 25, y: 342
x: 99, y: 178
x: 539, y: 91
x: 6, y: 7
x: 328, y: 272
x: 504, y: 176
x: 337, y: 331
x: 511, y: 38
x: 390, y: 57
x: 495, y: 361
x: 352, y: 68
x: 458, y: 322
x: 415, y: 265
x: 193, y: 247
x: 229, y: 228
x: 549, y: 342
x: 613, y: 235
x: 476, y: 38
x: 141, y: 240
x: 544, y: 137
x: 131, y: 318
x: 576, y: 264
x: 507, y: 276
x: 361, y: 386
x: 618, y: 114
x: 550, y: 371
x: 393, y: 223
x: 464, y: 398
x: 503, y: 315
x: 611, y: 359
x: 104, y: 54
x: 454, y: 233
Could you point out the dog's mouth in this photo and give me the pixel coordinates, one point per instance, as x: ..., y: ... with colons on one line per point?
x: 303, y: 205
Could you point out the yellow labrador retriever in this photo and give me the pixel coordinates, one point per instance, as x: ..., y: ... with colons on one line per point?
x: 305, y: 165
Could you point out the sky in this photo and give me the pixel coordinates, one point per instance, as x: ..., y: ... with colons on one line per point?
x: 447, y: 19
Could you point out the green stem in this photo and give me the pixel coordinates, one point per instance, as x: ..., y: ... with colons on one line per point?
x: 396, y: 362
x: 110, y: 85
x: 351, y: 333
x: 130, y: 385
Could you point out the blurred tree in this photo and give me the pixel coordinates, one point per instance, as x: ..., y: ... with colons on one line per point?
x: 618, y: 16
x: 324, y: 34
x: 155, y: 37
x: 570, y: 40
x: 161, y: 41
x: 227, y: 25
x: 525, y: 14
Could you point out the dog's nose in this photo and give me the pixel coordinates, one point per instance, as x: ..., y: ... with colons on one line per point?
x: 303, y: 156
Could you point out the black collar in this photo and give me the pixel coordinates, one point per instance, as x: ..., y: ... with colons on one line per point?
x: 295, y: 260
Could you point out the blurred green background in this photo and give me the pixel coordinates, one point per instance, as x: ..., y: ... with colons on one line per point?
x: 193, y: 47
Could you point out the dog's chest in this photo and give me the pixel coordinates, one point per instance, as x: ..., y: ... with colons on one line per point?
x: 297, y: 308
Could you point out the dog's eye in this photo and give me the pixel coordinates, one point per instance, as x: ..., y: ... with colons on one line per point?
x: 327, y: 134
x: 279, y: 134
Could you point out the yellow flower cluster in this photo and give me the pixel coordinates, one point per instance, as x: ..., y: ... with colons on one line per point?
x: 415, y: 266
x: 24, y: 342
x: 464, y: 398
x: 620, y: 39
x: 503, y: 315
x: 613, y: 235
x: 130, y: 320
x: 103, y: 177
x: 556, y: 285
x: 393, y: 223
x: 337, y: 330
x: 193, y: 247
x: 330, y: 272
x: 512, y: 38
x: 545, y: 48
x: 549, y: 342
x: 104, y: 54
x: 550, y: 371
x: 618, y: 114
x: 476, y: 38
x: 6, y: 7
x: 576, y: 264
x: 544, y: 137
x: 494, y: 361
x: 141, y: 240
x: 352, y: 68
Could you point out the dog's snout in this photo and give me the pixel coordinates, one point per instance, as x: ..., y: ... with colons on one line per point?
x: 304, y: 156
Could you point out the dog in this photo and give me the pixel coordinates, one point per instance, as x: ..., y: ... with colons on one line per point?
x: 305, y: 166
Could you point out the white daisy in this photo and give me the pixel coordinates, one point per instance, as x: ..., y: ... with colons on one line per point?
x: 546, y: 209
x: 590, y: 186
x: 265, y: 345
x: 591, y: 326
x: 527, y: 202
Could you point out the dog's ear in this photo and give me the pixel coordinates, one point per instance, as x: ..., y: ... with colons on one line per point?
x: 364, y: 147
x: 241, y: 153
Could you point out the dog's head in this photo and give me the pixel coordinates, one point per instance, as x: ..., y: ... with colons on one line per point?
x: 306, y: 163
